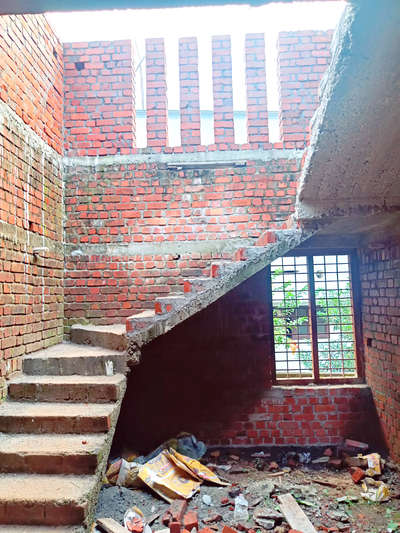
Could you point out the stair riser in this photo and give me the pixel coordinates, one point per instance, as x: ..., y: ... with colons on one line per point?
x: 64, y: 393
x: 47, y: 513
x: 53, y: 424
x: 69, y: 366
x: 98, y: 338
x: 48, y: 464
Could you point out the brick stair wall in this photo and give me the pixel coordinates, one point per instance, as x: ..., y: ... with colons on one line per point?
x: 31, y: 285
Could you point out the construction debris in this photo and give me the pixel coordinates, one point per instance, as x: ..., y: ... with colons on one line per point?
x: 294, y: 515
x: 309, y: 496
x: 109, y: 525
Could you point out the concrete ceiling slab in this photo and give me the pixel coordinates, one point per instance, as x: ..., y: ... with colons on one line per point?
x: 9, y: 7
x: 353, y: 161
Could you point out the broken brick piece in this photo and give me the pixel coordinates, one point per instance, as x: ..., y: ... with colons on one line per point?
x: 225, y: 501
x: 206, y: 530
x: 212, y: 518
x: 227, y: 529
x: 178, y: 509
x: 175, y: 527
x: 190, y: 521
x: 362, y: 446
x: 241, y: 527
x: 273, y: 466
x: 357, y: 474
x: 166, y: 518
x: 328, y: 452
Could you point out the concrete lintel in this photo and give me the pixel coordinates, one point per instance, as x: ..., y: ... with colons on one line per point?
x: 24, y: 237
x: 156, y: 248
x: 217, y: 158
x: 9, y: 118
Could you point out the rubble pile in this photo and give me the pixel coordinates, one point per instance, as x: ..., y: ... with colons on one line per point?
x: 345, y: 489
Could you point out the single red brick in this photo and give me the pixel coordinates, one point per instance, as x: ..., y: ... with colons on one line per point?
x: 175, y: 527
x: 178, y: 509
x: 357, y: 474
x: 191, y: 521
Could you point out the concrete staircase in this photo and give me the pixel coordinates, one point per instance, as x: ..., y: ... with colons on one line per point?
x: 197, y: 293
x: 56, y: 429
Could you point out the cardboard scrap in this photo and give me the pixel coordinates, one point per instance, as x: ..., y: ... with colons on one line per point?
x: 294, y: 515
x: 173, y: 475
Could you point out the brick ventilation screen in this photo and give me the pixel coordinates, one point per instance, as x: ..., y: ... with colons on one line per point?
x: 313, y: 317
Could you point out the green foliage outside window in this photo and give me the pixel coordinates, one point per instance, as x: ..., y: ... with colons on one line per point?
x: 334, y: 323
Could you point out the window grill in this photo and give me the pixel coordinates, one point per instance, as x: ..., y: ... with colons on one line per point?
x: 313, y: 318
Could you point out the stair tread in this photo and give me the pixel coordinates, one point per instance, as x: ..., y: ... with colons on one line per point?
x: 51, y: 444
x: 116, y: 379
x: 118, y: 329
x: 147, y: 313
x: 42, y: 488
x: 66, y: 349
x: 56, y: 409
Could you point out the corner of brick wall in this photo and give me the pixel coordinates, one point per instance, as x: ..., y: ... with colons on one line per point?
x: 380, y: 286
x: 31, y: 213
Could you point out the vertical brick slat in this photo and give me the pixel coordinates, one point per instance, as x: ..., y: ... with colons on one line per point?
x: 302, y: 60
x: 189, y: 91
x: 156, y: 94
x: 256, y: 87
x: 222, y: 90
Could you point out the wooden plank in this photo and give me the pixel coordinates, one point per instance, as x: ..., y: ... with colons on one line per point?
x: 294, y: 515
x: 110, y: 525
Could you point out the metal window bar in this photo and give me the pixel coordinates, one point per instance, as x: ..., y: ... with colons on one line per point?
x: 314, y: 319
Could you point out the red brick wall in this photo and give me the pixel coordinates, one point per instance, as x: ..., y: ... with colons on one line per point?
x: 303, y: 58
x: 31, y: 292
x: 380, y: 278
x: 196, y: 378
x: 147, y: 204
x: 99, y: 104
x: 31, y: 62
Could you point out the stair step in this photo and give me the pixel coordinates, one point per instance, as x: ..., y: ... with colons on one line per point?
x: 67, y: 359
x: 44, y: 500
x: 35, y: 417
x: 140, y: 320
x: 195, y: 284
x: 219, y: 268
x: 50, y: 454
x: 111, y: 336
x: 166, y: 304
x: 91, y: 389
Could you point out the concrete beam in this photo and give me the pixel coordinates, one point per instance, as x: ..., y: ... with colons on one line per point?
x: 352, y: 164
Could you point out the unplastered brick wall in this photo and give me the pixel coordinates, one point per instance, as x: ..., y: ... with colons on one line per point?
x: 31, y: 207
x: 303, y: 57
x: 99, y: 105
x: 200, y: 373
x: 380, y: 278
x: 31, y: 82
x: 126, y: 224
